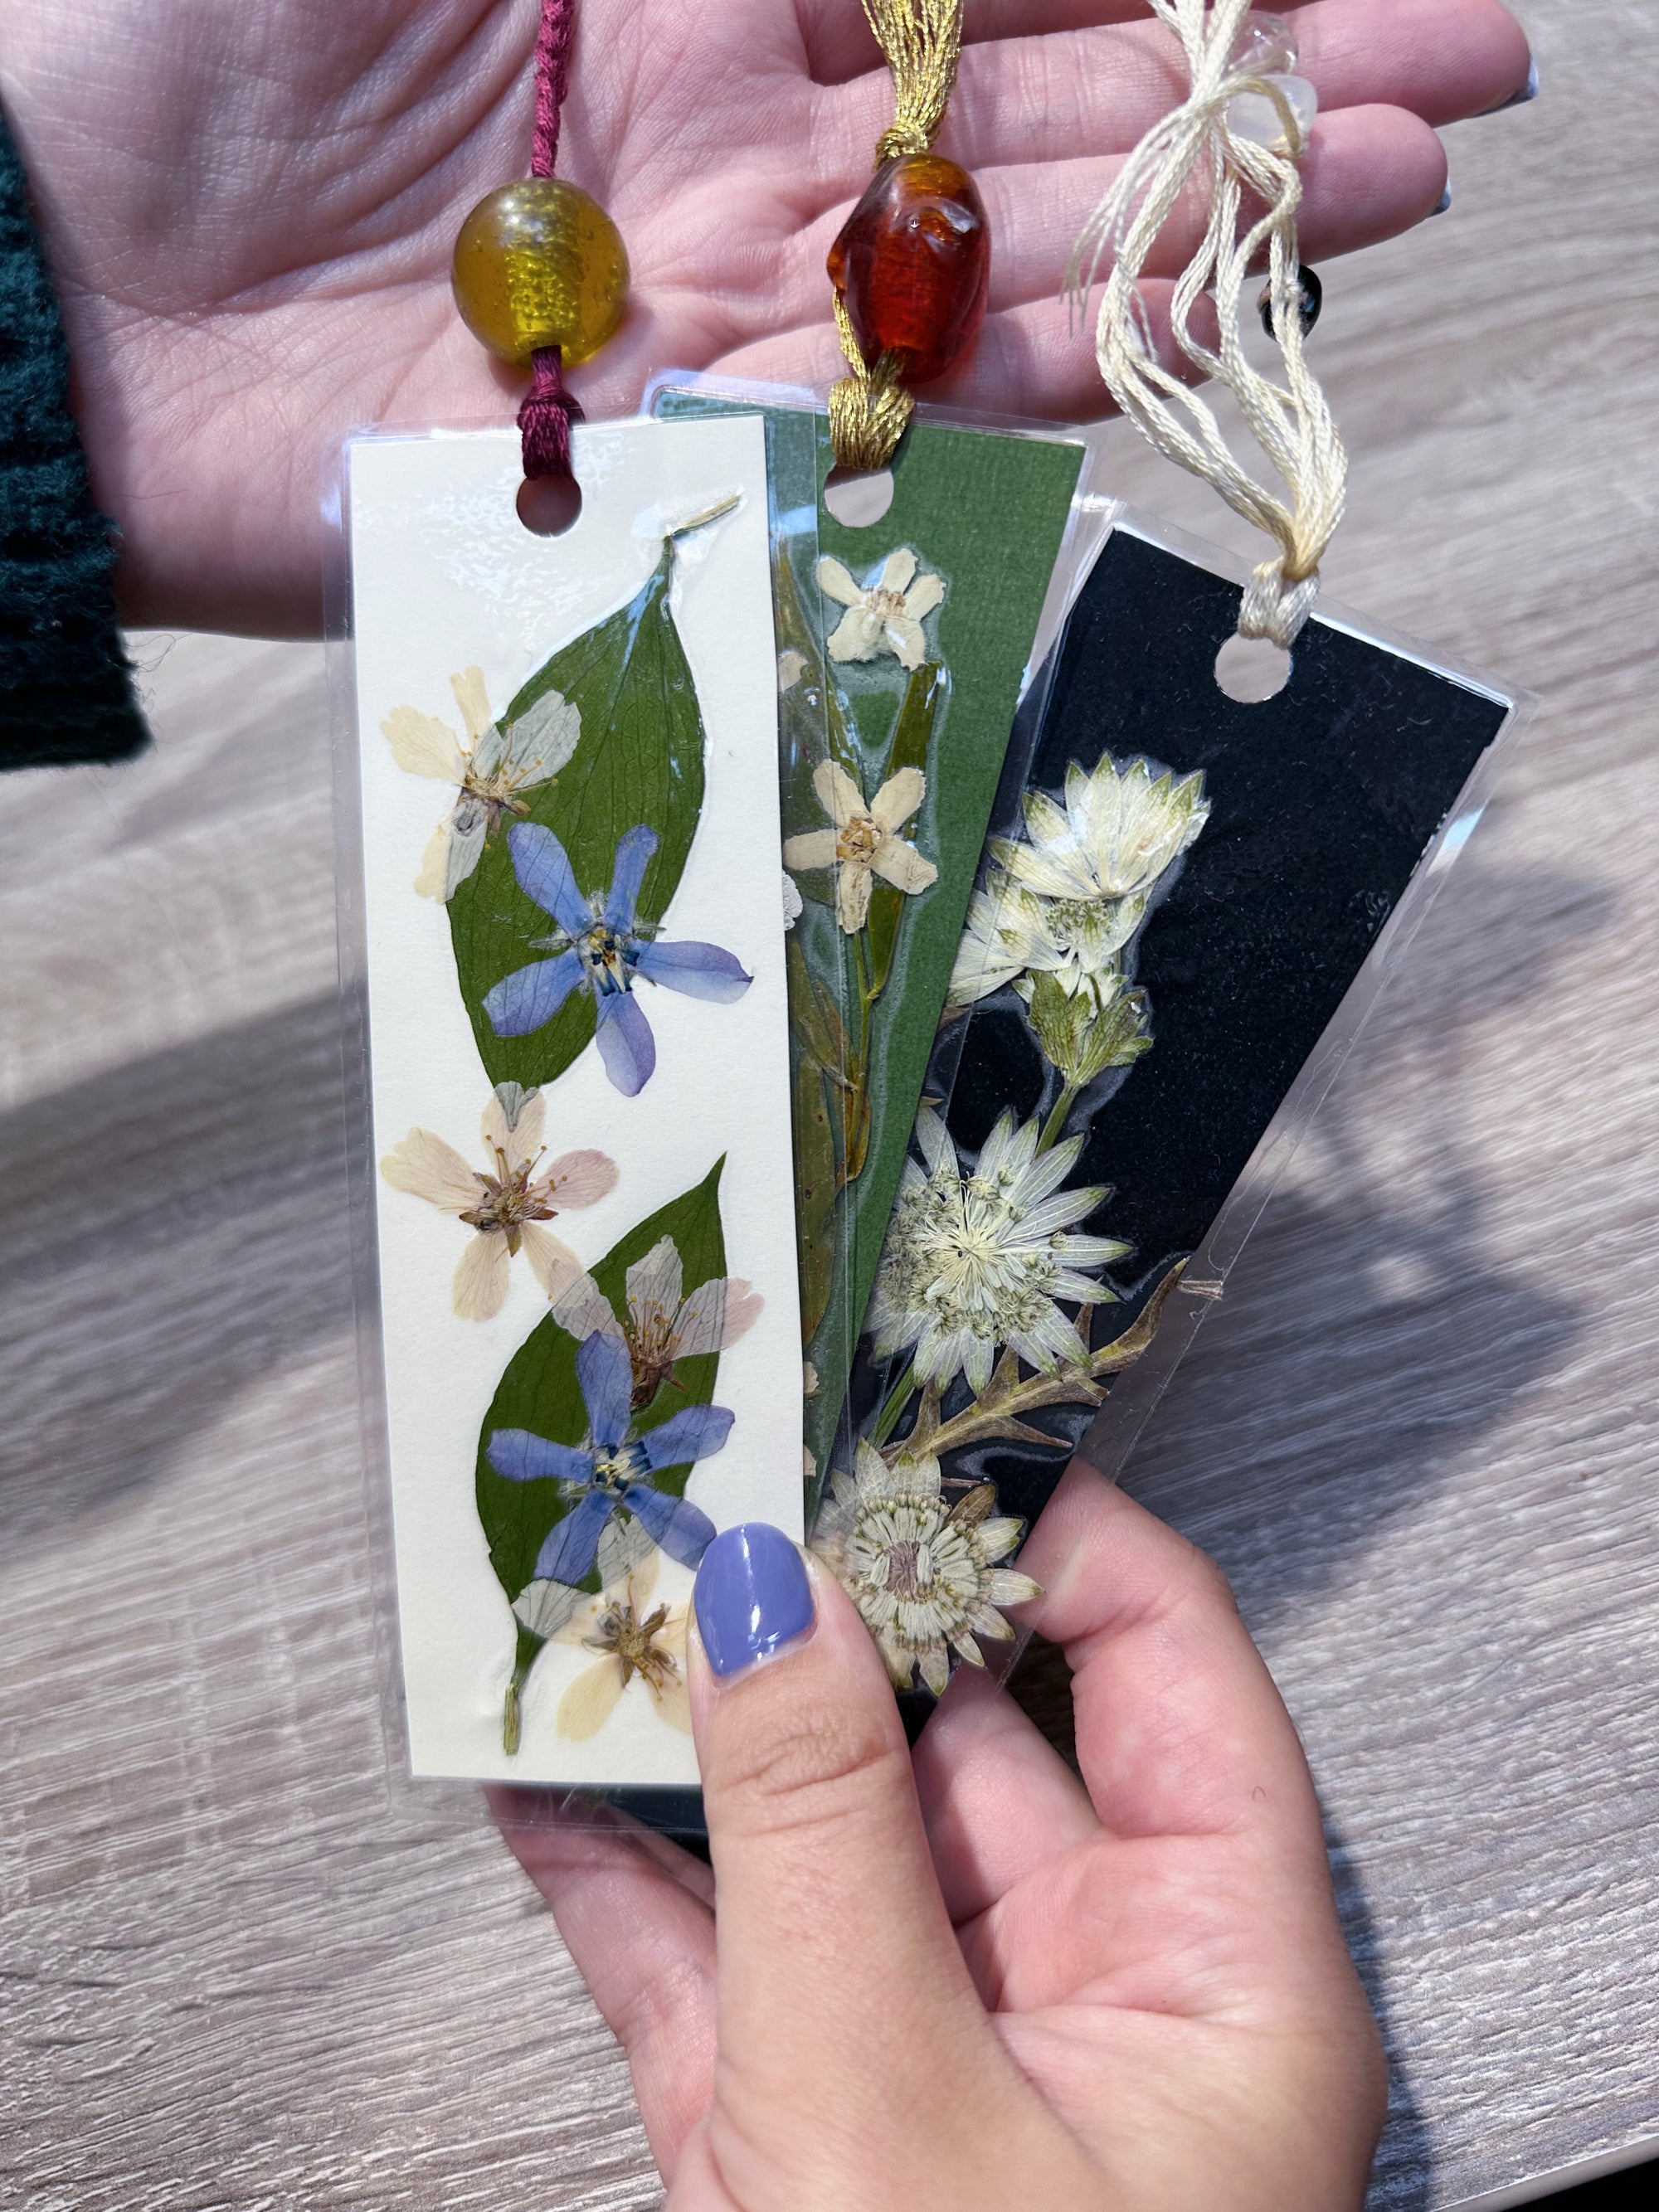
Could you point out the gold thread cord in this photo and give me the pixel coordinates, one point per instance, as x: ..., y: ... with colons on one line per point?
x: 870, y: 408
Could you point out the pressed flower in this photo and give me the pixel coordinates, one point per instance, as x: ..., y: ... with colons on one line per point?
x: 864, y: 841
x: 489, y: 767
x: 631, y: 1642
x: 1119, y: 829
x: 885, y: 612
x: 923, y: 1575
x: 791, y: 900
x: 506, y: 1204
x: 1012, y: 932
x: 974, y: 1263
x: 600, y: 946
x: 660, y: 1325
x: 611, y: 1470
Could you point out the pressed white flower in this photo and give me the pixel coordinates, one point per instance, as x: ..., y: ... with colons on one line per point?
x: 974, y: 1263
x: 1119, y: 829
x: 864, y: 841
x: 885, y: 612
x: 504, y: 1205
x: 923, y: 1574
x: 489, y: 767
x: 1012, y: 932
x: 631, y: 1642
x: 661, y: 1326
x: 791, y: 900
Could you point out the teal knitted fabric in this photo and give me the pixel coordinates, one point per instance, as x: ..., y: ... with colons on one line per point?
x: 66, y: 682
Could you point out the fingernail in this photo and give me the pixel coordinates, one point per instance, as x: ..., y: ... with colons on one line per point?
x: 1528, y: 91
x: 1443, y: 203
x: 752, y: 1595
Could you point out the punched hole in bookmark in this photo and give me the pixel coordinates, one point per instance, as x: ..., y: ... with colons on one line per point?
x: 858, y: 497
x: 548, y: 505
x: 1252, y: 669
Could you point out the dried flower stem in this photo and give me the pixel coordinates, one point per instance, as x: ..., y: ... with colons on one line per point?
x: 997, y: 1413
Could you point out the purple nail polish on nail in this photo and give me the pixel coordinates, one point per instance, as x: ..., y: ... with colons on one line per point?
x: 752, y: 1595
x: 1528, y: 91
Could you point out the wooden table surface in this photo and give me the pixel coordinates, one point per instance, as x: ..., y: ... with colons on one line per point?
x: 1416, y: 1431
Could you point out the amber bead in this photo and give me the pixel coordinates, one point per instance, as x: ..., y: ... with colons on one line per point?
x: 539, y: 263
x: 913, y: 262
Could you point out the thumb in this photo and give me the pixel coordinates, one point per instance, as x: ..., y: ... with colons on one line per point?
x: 836, y: 1956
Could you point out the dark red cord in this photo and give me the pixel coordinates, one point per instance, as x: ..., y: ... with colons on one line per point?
x: 549, y: 409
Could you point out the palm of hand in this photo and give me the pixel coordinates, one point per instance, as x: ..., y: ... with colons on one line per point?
x: 1002, y: 1985
x: 250, y: 211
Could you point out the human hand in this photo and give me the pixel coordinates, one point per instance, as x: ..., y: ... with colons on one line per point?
x: 250, y: 213
x: 963, y: 1979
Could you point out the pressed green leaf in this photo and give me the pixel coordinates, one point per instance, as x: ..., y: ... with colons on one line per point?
x: 639, y: 759
x: 539, y: 1392
x: 814, y: 1193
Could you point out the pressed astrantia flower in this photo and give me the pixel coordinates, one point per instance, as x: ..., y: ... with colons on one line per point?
x: 923, y: 1574
x: 864, y: 841
x: 611, y: 1470
x: 505, y: 1204
x: 1012, y: 932
x: 631, y: 1642
x: 489, y: 769
x: 600, y: 946
x: 885, y: 612
x: 660, y: 1325
x: 1118, y: 832
x: 974, y: 1263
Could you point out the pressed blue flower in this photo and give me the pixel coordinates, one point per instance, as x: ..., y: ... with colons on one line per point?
x: 611, y: 1471
x: 600, y: 946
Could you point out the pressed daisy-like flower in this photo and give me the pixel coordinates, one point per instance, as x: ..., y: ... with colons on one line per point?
x: 506, y: 1204
x: 612, y: 1470
x: 864, y: 841
x: 601, y: 946
x: 489, y: 767
x: 923, y: 1575
x: 631, y: 1642
x: 885, y: 612
x: 1119, y: 829
x: 1013, y: 932
x: 974, y: 1263
x: 660, y: 1325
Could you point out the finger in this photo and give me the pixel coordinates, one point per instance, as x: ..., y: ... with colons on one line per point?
x: 838, y: 1965
x: 998, y: 1801
x: 840, y: 43
x: 1180, y: 1729
x: 628, y: 1907
x: 1089, y: 92
x: 1442, y: 62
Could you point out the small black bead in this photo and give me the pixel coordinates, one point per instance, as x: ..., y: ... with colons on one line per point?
x: 1313, y: 298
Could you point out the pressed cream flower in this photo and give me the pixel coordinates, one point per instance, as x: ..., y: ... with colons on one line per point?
x: 490, y: 769
x: 974, y: 1263
x: 923, y: 1574
x: 864, y: 841
x: 885, y: 612
x: 631, y: 1642
x: 1118, y: 832
x: 504, y: 1205
x: 661, y: 1326
x: 1012, y: 932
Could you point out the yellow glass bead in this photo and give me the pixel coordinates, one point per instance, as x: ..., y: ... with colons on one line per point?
x: 539, y: 263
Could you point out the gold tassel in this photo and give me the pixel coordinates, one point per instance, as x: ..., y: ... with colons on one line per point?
x: 870, y: 408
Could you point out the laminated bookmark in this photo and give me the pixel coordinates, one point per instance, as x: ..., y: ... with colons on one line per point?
x: 903, y: 646
x: 571, y: 934
x: 1222, y: 813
